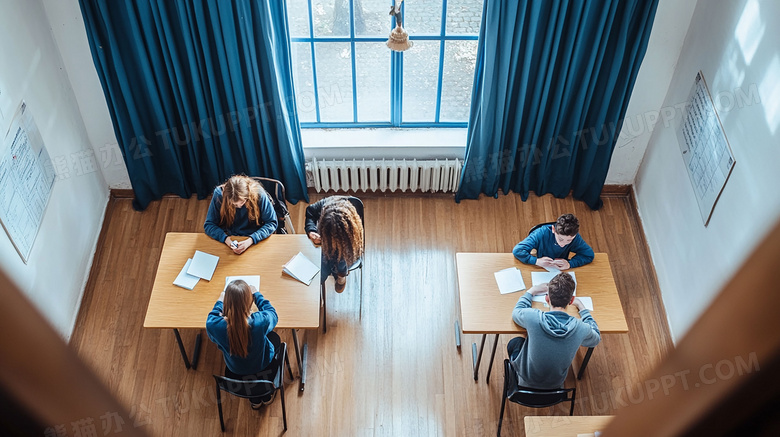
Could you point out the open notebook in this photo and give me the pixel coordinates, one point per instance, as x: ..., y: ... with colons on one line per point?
x: 301, y: 268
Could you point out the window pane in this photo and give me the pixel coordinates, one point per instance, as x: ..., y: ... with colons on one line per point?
x: 422, y: 17
x: 463, y: 17
x: 298, y: 18
x: 460, y: 58
x: 421, y: 78
x: 372, y: 17
x: 334, y: 81
x: 304, y: 84
x: 330, y: 17
x: 372, y: 68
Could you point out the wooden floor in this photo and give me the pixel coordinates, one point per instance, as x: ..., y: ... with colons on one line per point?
x: 397, y: 371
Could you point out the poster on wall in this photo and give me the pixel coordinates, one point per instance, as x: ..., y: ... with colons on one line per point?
x: 705, y: 149
x: 26, y: 181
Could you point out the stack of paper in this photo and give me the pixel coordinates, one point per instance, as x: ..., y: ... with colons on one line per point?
x: 184, y: 279
x: 301, y: 268
x: 203, y: 265
x: 509, y: 280
x: 252, y: 280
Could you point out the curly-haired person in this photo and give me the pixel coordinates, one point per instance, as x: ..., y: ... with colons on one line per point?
x: 334, y: 222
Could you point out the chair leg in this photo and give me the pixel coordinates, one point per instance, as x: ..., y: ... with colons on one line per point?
x: 324, y: 308
x: 573, y: 396
x: 219, y: 406
x: 361, y: 293
x: 503, y: 405
x: 289, y: 369
x: 284, y: 409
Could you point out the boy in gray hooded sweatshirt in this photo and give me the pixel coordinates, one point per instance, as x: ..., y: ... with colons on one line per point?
x: 542, y: 359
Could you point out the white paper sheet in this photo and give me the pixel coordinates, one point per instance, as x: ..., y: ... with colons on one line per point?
x: 184, y: 279
x: 509, y: 280
x: 301, y: 268
x: 203, y: 265
x: 249, y: 279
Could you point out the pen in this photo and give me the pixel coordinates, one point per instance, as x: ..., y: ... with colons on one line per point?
x: 234, y: 244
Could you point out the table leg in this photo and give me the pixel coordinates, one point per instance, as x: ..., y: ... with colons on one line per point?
x: 303, y: 372
x: 476, y: 357
x: 324, y: 308
x: 196, y: 350
x: 457, y: 335
x: 585, y: 363
x: 492, y: 356
x: 301, y: 358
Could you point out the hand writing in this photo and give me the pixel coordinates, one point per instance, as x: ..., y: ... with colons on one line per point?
x: 544, y: 261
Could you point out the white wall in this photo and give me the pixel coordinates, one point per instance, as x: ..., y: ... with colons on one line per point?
x: 666, y: 39
x: 31, y: 70
x: 735, y: 44
x: 665, y: 42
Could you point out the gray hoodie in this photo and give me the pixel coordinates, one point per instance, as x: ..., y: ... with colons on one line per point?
x: 552, y: 341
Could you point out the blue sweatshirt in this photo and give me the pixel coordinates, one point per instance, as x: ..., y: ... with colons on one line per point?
x: 543, y: 240
x: 261, y: 350
x: 242, y: 226
x: 552, y: 341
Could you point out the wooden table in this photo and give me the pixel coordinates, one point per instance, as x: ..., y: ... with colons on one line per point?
x: 484, y: 310
x: 297, y: 305
x: 564, y: 426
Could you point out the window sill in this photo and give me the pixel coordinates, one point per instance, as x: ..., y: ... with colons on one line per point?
x: 375, y: 143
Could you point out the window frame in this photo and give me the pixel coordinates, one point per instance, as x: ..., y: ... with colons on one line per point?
x: 396, y: 73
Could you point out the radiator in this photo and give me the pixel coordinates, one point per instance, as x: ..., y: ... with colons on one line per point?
x: 439, y: 175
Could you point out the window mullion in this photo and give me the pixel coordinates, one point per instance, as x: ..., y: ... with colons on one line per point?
x: 314, y: 67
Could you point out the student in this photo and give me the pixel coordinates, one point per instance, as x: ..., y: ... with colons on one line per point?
x: 542, y: 359
x: 553, y: 244
x: 247, y: 341
x: 335, y: 223
x: 240, y: 207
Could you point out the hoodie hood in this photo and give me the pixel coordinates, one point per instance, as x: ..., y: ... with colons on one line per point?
x: 558, y: 323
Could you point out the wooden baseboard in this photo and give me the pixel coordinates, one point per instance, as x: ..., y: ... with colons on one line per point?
x: 122, y: 193
x: 616, y: 190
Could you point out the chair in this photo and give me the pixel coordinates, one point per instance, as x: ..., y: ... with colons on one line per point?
x: 539, y: 226
x: 258, y: 387
x: 275, y: 190
x: 531, y: 397
x: 358, y: 204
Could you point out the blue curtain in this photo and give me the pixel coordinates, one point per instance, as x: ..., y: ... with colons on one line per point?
x: 551, y: 87
x: 198, y: 90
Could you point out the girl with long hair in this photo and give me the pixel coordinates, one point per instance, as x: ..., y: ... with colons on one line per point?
x: 240, y: 207
x: 334, y: 222
x: 246, y: 339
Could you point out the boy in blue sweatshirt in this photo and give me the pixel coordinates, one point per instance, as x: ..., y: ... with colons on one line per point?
x: 553, y: 244
x: 542, y: 358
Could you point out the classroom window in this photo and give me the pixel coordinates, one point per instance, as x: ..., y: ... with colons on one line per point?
x: 345, y: 76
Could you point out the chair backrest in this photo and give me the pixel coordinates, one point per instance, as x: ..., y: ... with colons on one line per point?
x: 539, y: 226
x: 358, y: 204
x: 245, y: 389
x: 256, y: 387
x: 275, y: 190
x: 531, y: 397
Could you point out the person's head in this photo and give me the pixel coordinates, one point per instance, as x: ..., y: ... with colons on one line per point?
x: 341, y: 230
x: 560, y: 290
x: 565, y: 229
x: 236, y: 307
x: 240, y: 191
